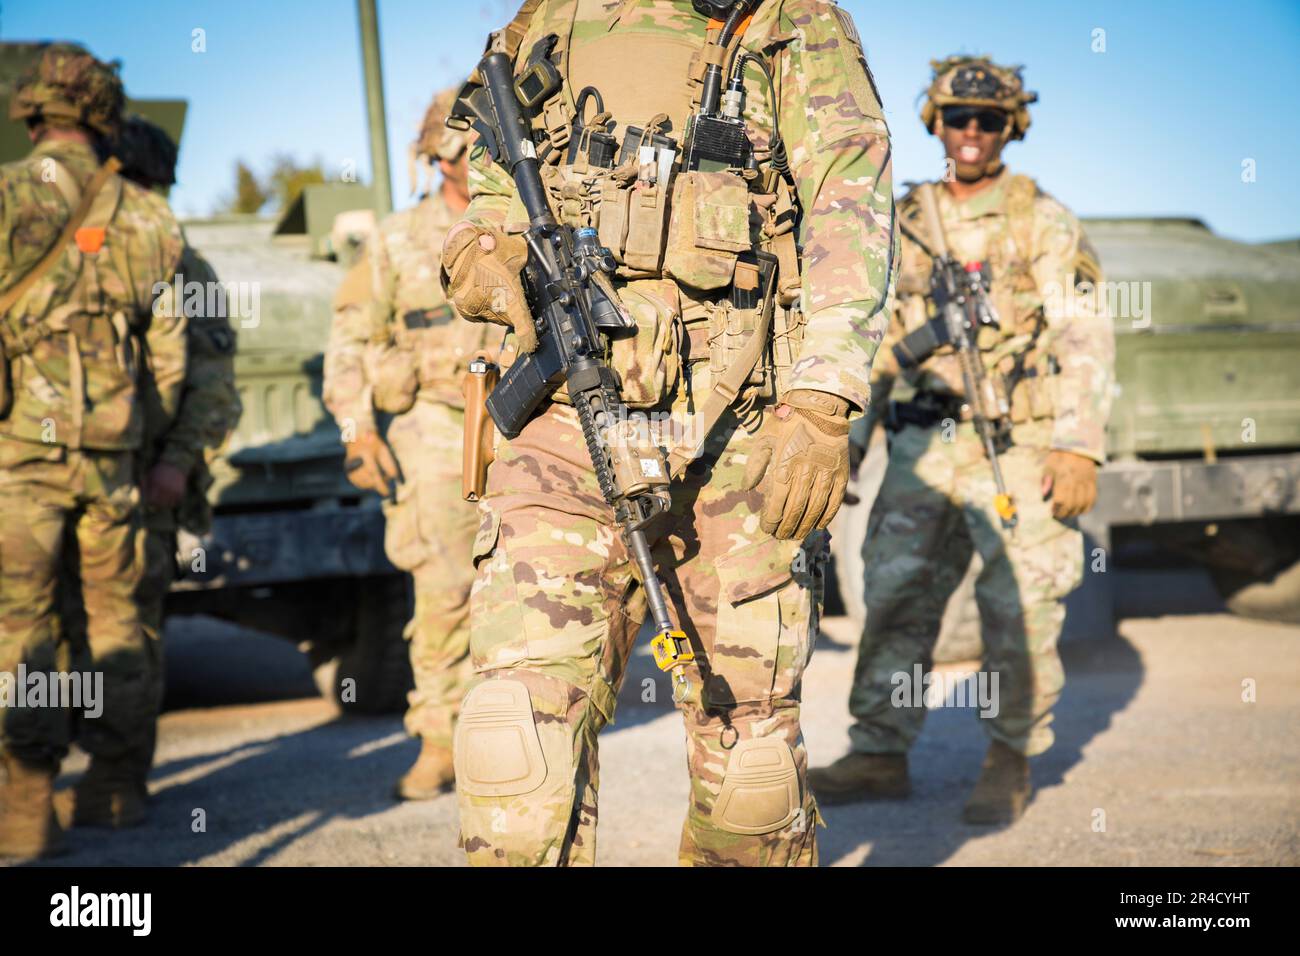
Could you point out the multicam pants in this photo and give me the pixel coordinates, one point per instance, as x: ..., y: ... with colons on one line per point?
x: 430, y: 529
x: 554, y: 614
x: 934, y: 509
x: 46, y: 491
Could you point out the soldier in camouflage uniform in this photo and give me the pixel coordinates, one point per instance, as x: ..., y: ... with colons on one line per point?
x: 1053, y: 355
x: 556, y: 605
x: 393, y: 369
x: 176, y: 475
x: 95, y: 355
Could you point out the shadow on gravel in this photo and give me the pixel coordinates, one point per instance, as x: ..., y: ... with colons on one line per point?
x: 285, y: 787
x: 1102, y: 678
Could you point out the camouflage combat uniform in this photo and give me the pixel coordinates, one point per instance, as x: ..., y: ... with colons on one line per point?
x: 556, y: 606
x: 936, y: 505
x: 396, y: 356
x: 209, y: 411
x: 70, y: 446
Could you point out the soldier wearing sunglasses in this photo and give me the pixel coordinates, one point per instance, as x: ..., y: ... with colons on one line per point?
x: 1050, y: 360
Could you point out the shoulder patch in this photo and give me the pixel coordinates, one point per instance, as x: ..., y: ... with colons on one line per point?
x: 217, y: 337
x: 856, y: 73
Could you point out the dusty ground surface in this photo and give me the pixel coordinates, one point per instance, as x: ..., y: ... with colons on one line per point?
x: 1158, y: 760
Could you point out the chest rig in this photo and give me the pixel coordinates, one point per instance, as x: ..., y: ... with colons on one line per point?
x: 1016, y: 351
x: 645, y: 136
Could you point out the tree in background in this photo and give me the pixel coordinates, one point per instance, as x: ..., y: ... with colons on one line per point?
x: 281, y: 185
x: 249, y: 196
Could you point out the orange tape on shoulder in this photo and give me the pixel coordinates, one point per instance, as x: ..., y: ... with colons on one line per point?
x: 90, y: 238
x: 715, y: 24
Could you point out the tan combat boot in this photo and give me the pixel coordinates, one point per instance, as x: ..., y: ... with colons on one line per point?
x: 28, y: 828
x: 110, y: 794
x: 1003, y: 789
x: 431, y: 774
x: 855, y: 777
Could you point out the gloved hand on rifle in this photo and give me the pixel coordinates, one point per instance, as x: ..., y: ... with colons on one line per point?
x: 1071, y: 482
x: 480, y: 273
x: 369, y: 464
x: 801, y: 463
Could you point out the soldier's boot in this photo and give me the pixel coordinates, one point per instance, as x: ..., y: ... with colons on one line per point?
x: 430, y: 775
x: 1003, y: 789
x: 28, y: 828
x: 856, y: 777
x: 110, y: 794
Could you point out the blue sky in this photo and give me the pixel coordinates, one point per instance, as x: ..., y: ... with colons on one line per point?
x: 1158, y: 124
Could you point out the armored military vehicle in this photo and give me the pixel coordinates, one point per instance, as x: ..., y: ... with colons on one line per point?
x: 1204, y: 436
x: 295, y: 550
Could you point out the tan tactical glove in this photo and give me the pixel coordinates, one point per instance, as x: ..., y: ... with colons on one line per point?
x: 481, y: 275
x: 1071, y: 481
x: 369, y: 464
x: 801, y: 463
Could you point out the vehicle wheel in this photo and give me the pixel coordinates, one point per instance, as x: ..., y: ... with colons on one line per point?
x: 1272, y: 598
x: 371, y: 673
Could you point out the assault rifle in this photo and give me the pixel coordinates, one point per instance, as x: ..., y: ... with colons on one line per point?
x: 964, y: 308
x: 575, y: 307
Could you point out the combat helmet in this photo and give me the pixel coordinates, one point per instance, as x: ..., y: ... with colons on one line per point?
x: 437, y: 140
x: 978, y: 81
x: 67, y: 86
x: 147, y: 153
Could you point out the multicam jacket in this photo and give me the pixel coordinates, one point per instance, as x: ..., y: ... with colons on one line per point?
x: 1056, y: 344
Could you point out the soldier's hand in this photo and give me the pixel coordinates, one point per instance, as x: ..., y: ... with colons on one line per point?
x: 801, y: 463
x: 1071, y: 482
x: 164, y: 486
x: 369, y: 464
x: 481, y: 275
x: 396, y: 380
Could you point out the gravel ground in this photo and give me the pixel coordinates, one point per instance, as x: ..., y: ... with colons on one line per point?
x: 1158, y: 761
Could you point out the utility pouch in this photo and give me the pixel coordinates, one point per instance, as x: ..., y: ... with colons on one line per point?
x: 647, y: 217
x: 611, y: 220
x: 730, y: 329
x: 648, y: 363
x: 478, y: 449
x: 708, y: 230
x: 788, y: 326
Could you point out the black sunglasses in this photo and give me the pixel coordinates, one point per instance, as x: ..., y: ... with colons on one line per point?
x: 959, y: 117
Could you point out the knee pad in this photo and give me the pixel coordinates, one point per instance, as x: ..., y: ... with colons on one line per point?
x: 497, y: 752
x: 760, y: 789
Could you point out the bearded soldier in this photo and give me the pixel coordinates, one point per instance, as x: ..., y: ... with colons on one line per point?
x: 756, y: 272
x: 1048, y: 358
x: 175, y: 471
x: 393, y: 371
x: 92, y: 347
